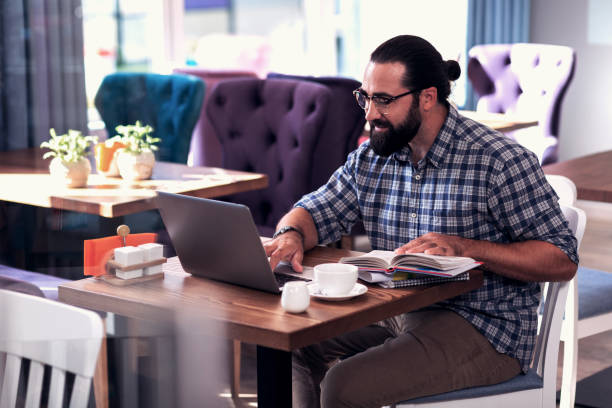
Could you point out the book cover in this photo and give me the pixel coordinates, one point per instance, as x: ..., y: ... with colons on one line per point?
x: 422, y: 280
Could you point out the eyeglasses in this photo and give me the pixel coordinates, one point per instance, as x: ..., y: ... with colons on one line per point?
x: 381, y: 103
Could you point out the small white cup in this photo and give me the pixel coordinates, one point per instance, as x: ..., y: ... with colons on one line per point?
x: 335, y: 279
x: 295, y: 297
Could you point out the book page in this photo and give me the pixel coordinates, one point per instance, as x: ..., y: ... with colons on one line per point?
x: 441, y: 262
x: 373, y: 259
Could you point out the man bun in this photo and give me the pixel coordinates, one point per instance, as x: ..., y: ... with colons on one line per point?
x: 424, y: 66
x: 453, y: 70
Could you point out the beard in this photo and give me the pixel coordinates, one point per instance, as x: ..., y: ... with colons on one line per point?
x: 385, y: 143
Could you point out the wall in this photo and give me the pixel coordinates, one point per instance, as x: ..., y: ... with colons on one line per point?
x: 586, y: 122
x: 263, y: 17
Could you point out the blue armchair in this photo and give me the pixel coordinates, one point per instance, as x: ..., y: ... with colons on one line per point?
x: 169, y: 103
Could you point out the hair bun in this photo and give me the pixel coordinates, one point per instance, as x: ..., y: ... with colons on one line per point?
x: 453, y: 69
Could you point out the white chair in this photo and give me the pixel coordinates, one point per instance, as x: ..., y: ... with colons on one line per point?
x: 47, y: 333
x: 588, y: 310
x: 538, y: 387
x: 565, y: 189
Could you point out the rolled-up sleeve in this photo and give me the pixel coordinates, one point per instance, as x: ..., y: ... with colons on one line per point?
x: 525, y: 206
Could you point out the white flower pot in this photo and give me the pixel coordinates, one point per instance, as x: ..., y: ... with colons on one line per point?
x: 135, y: 166
x: 71, y: 174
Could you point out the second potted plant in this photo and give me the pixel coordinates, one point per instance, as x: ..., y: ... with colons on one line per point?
x: 136, y: 160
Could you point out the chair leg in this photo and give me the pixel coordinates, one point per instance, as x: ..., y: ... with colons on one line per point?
x: 569, y: 336
x: 568, y: 381
x: 235, y: 369
x: 100, y: 380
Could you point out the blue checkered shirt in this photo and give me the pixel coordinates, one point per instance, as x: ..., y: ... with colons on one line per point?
x: 475, y: 183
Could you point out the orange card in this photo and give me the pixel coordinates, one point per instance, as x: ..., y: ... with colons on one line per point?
x: 98, y: 251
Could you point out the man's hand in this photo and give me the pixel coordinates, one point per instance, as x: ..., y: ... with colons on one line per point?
x: 286, y: 247
x: 433, y: 243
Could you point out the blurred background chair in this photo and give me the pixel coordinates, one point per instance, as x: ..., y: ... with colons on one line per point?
x: 171, y: 104
x: 33, y: 283
x: 278, y: 127
x: 48, y: 334
x: 347, y: 121
x: 205, y: 149
x: 537, y: 388
x: 528, y: 80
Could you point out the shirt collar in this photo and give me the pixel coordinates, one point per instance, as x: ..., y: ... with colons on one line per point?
x: 440, y: 147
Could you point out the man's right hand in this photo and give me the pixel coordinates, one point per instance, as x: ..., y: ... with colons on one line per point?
x: 287, y: 247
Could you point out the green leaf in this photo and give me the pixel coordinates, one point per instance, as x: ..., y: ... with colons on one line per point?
x: 69, y: 147
x: 136, y: 138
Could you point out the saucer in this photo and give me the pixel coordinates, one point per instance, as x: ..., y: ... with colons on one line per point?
x: 357, y: 290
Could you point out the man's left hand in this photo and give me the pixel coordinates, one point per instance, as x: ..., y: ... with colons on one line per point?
x: 433, y: 243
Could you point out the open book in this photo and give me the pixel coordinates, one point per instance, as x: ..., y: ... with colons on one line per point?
x: 377, y: 266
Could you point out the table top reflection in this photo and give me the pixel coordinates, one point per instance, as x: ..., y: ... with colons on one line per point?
x: 25, y: 179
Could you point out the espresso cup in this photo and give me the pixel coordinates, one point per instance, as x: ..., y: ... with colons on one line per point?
x: 295, y: 297
x: 335, y: 279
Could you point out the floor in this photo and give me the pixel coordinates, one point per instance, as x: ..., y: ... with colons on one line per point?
x: 595, y: 353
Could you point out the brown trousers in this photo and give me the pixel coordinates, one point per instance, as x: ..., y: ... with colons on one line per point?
x: 420, y: 353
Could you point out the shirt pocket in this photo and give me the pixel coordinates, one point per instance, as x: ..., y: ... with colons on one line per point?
x: 464, y: 221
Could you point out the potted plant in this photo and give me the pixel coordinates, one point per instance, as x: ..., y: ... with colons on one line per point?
x: 136, y: 160
x: 69, y: 151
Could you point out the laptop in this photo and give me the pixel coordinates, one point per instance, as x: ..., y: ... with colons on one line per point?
x: 218, y: 240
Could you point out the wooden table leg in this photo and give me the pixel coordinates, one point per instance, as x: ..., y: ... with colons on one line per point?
x: 235, y: 355
x: 273, y: 377
x: 100, y: 380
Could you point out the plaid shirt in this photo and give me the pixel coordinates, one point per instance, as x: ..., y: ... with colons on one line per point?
x: 475, y: 183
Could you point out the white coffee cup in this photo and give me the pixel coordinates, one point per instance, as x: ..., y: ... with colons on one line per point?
x: 335, y: 279
x: 295, y: 297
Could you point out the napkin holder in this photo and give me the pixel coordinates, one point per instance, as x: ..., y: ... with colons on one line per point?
x: 112, y: 266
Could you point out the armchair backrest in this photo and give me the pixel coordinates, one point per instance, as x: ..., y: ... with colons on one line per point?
x: 528, y: 79
x: 273, y: 126
x: 564, y: 187
x: 169, y: 103
x: 344, y: 125
x: 205, y: 149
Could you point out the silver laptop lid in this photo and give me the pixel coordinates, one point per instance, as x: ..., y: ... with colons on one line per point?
x: 216, y: 240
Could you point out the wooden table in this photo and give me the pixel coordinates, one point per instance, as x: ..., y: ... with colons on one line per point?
x: 257, y: 317
x: 503, y: 122
x: 25, y: 179
x: 592, y: 175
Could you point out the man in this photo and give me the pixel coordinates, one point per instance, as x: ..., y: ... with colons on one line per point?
x: 430, y: 181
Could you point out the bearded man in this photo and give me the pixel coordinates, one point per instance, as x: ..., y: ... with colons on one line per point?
x: 432, y: 181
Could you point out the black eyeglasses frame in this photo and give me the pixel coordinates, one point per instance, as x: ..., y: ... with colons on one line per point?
x: 380, y: 102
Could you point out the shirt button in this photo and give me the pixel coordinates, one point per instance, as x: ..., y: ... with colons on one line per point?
x: 413, y: 215
x: 417, y: 177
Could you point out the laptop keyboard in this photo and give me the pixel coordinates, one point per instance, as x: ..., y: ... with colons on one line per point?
x: 281, y: 279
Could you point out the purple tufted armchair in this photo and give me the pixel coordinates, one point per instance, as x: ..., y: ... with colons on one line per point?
x: 524, y: 79
x: 205, y: 149
x: 278, y: 127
